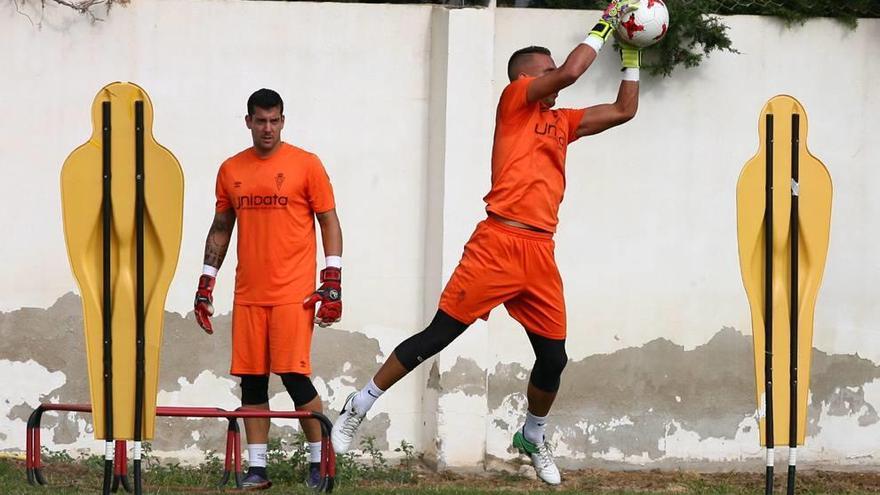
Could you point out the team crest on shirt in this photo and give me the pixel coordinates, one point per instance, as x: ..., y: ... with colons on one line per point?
x: 260, y: 198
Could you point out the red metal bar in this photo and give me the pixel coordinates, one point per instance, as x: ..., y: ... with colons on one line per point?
x: 29, y: 461
x: 123, y: 464
x: 194, y: 412
x: 236, y: 451
x: 328, y: 461
x: 38, y: 460
x: 117, y: 459
x: 227, y: 464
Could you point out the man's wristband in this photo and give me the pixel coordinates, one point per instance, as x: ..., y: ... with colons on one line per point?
x: 630, y: 57
x: 210, y: 270
x: 334, y: 261
x: 598, y: 35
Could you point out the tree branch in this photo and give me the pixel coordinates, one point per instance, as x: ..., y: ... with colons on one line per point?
x: 83, y: 7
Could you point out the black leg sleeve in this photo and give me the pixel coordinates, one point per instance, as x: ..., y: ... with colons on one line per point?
x: 299, y: 387
x: 550, y: 360
x: 254, y: 389
x: 421, y: 346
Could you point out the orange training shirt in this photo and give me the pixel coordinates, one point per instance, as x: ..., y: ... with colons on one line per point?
x: 528, y: 157
x: 275, y: 200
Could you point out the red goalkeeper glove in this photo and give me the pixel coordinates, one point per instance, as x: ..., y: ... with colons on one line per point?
x: 330, y: 297
x: 204, y: 303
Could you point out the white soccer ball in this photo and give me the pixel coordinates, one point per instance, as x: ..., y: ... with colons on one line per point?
x: 644, y: 26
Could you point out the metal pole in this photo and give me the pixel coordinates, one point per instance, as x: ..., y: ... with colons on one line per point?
x: 106, y: 310
x: 139, y: 301
x: 768, y: 304
x: 793, y: 318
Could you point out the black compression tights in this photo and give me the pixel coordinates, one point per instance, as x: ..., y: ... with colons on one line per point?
x: 550, y: 356
x: 550, y: 360
x: 433, y: 339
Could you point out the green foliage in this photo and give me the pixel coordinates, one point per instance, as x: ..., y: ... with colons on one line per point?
x: 55, y: 456
x: 93, y: 463
x: 68, y: 476
x: 372, y: 465
x: 409, y: 454
x: 798, y: 11
x: 692, y: 35
x: 696, y: 30
x: 148, y: 460
x: 288, y: 463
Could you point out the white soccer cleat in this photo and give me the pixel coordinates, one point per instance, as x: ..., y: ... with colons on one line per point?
x: 542, y: 459
x: 345, y: 426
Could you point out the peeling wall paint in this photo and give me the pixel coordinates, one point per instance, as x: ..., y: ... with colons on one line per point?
x: 656, y: 404
x: 661, y: 402
x: 49, y: 359
x: 660, y: 371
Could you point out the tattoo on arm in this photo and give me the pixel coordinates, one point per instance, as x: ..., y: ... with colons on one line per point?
x: 218, y: 238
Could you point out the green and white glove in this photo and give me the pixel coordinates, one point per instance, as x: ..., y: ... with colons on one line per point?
x: 609, y: 21
x: 617, y: 9
x: 630, y: 60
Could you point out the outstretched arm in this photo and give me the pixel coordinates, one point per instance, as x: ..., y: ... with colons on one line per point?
x: 601, y: 117
x: 583, y: 55
x: 577, y: 62
x: 607, y: 115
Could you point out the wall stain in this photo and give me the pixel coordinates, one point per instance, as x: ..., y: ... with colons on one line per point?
x: 53, y: 337
x: 433, y: 382
x: 464, y: 376
x: 629, y: 399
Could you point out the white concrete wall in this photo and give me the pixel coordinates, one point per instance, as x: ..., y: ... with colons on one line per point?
x: 648, y: 214
x: 355, y: 83
x: 399, y: 101
x: 647, y: 237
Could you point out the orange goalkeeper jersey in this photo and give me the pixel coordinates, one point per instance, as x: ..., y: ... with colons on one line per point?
x: 528, y: 157
x: 275, y: 201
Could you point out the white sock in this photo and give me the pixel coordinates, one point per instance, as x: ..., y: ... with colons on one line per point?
x: 257, y: 454
x: 534, y: 428
x: 314, y: 451
x: 365, y: 398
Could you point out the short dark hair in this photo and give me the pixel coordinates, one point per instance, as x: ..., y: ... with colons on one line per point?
x: 521, y: 56
x: 266, y: 99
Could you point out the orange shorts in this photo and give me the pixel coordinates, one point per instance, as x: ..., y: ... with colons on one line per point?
x: 513, y: 266
x: 275, y: 339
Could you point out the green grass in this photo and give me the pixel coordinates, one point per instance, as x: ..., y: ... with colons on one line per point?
x: 371, y: 474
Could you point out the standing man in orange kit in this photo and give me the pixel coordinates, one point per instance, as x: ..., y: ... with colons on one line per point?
x: 275, y: 191
x: 509, y: 259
